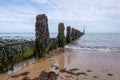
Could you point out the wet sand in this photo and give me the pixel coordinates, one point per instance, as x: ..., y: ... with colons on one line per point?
x: 88, y: 64
x: 98, y: 65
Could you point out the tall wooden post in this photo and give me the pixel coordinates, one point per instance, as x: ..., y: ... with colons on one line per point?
x: 42, y: 35
x: 68, y: 35
x: 61, y: 36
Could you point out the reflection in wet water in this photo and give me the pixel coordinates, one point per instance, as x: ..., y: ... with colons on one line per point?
x: 68, y: 59
x: 61, y: 61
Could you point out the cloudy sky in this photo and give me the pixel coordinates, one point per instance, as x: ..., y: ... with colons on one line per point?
x: 99, y: 16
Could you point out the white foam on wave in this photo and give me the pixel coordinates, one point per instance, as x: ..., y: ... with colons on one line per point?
x: 93, y: 48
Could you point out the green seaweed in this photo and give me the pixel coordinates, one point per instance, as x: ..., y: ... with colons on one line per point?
x: 28, y: 53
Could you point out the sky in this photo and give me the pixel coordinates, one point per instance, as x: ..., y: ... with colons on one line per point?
x: 99, y: 16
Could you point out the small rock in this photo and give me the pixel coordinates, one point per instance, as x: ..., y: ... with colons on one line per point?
x: 63, y: 70
x: 24, y: 73
x: 15, y: 76
x: 89, y: 71
x: 74, y: 69
x: 61, y: 77
x: 26, y: 78
x: 110, y: 74
x: 81, y: 73
x: 95, y: 77
x: 56, y: 67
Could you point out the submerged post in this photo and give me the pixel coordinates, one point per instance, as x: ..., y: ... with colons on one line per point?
x: 61, y: 36
x: 42, y: 35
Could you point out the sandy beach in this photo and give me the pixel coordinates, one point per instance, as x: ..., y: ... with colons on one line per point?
x: 83, y: 64
x: 60, y: 40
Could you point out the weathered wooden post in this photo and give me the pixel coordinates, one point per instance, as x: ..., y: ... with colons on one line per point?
x: 52, y: 44
x: 73, y: 34
x: 80, y: 33
x: 61, y: 36
x: 68, y: 35
x: 42, y: 35
x: 76, y: 34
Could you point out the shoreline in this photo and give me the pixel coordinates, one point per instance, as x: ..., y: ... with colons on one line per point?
x: 90, y: 65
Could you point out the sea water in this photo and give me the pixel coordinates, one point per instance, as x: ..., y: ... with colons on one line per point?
x: 89, y: 41
x: 98, y: 41
x: 27, y: 36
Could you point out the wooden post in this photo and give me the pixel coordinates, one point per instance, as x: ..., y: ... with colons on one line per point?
x: 68, y: 35
x: 61, y: 36
x: 42, y: 35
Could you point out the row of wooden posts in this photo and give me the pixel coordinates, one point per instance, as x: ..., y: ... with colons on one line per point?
x: 43, y: 42
x: 12, y: 53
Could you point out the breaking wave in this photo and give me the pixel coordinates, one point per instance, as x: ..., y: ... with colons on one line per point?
x: 93, y: 48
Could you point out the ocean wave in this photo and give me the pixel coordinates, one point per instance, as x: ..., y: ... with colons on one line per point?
x: 93, y: 48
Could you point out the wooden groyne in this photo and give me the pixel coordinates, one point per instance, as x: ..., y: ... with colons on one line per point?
x: 44, y: 44
x: 13, y: 52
